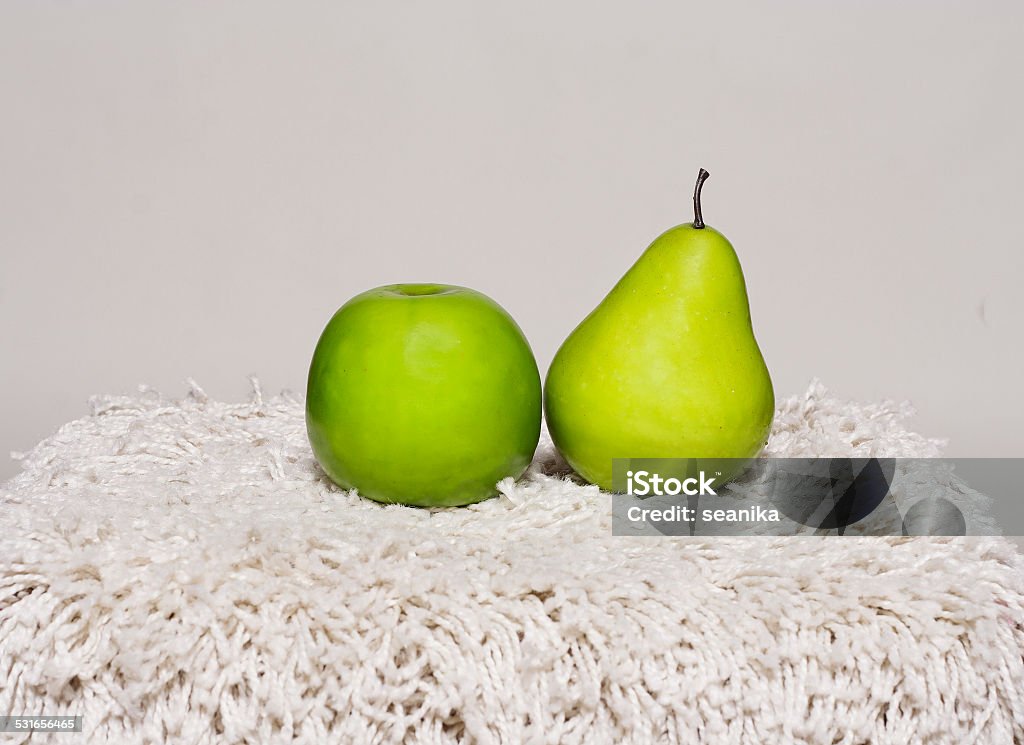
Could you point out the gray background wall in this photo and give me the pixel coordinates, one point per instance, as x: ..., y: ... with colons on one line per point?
x: 191, y: 189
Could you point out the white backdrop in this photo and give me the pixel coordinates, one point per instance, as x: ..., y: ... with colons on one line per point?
x: 191, y: 189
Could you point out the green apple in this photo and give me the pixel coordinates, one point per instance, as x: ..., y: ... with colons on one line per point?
x: 423, y: 394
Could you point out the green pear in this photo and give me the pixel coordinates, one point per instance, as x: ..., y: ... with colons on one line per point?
x: 667, y: 365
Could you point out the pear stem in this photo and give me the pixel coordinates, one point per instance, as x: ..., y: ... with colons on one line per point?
x: 698, y: 220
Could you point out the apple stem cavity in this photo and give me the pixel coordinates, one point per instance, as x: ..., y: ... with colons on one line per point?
x: 698, y: 220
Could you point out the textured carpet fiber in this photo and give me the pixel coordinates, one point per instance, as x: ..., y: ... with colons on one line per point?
x: 181, y: 571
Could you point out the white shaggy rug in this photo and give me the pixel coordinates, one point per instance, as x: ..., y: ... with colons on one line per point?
x: 182, y: 572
